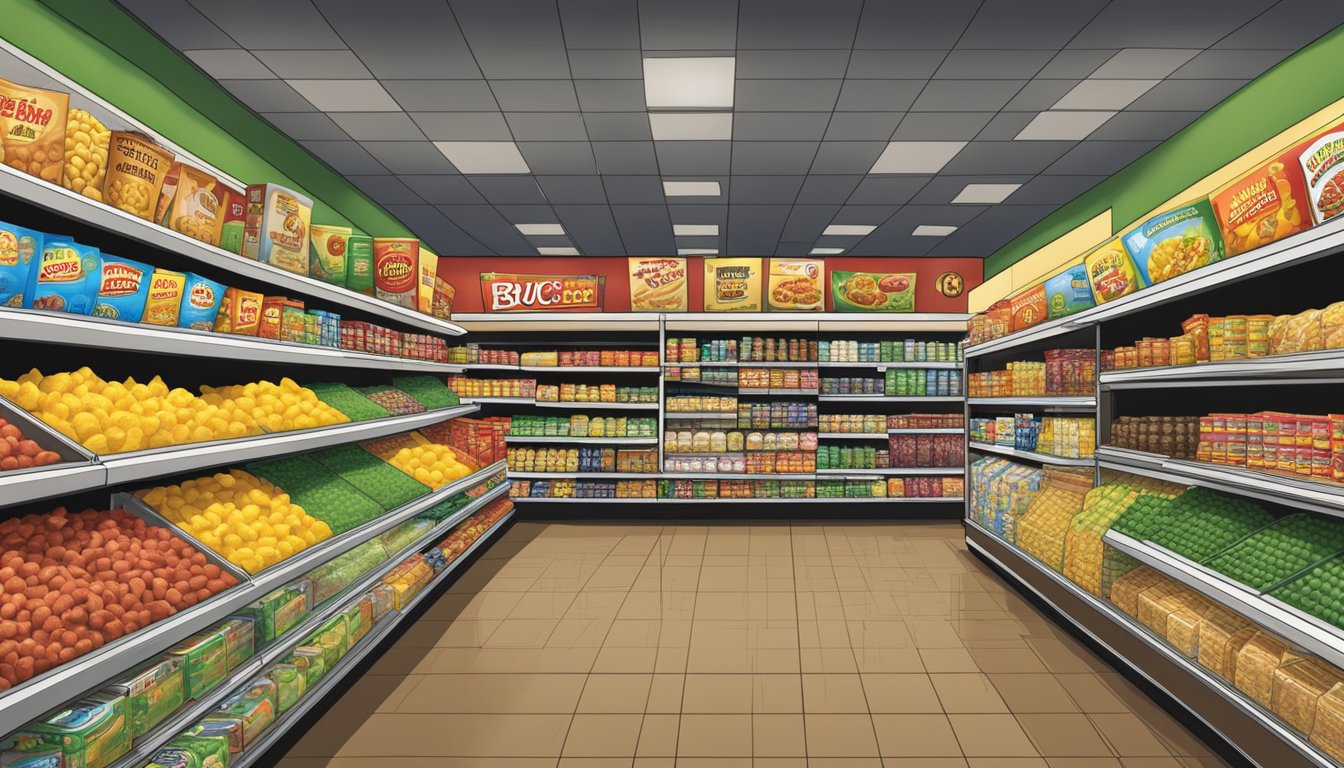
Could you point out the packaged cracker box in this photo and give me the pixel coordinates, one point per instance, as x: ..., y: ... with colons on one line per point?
x: 90, y: 733
x: 123, y: 289
x: 187, y: 203
x: 272, y: 308
x: 240, y: 313
x: 1028, y: 307
x: 1321, y: 159
x: 201, y: 300
x: 204, y: 657
x: 153, y: 693
x: 1174, y: 242
x: 165, y: 297
x: 32, y: 130
x: 396, y: 269
x: 1111, y: 272
x: 135, y: 173
x: 232, y: 216
x: 1068, y: 292
x: 327, y: 251
x: 64, y: 278
x: 276, y: 229
x: 1264, y: 205
x: 20, y: 248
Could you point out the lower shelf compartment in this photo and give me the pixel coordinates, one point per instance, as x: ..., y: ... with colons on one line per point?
x: 1240, y: 722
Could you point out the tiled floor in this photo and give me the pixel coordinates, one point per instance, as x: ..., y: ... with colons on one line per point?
x: 763, y: 645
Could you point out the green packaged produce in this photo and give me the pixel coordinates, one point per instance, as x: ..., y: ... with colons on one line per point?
x: 279, y: 611
x: 254, y: 705
x: 359, y: 619
x: 1206, y: 522
x: 188, y: 751
x: 153, y: 693
x: 325, y: 495
x: 204, y: 659
x: 1278, y: 551
x: 375, y: 478
x: 229, y: 729
x: 427, y: 391
x: 311, y: 661
x: 1319, y: 591
x: 343, y: 398
x: 239, y: 640
x: 90, y: 733
x: 289, y: 685
x: 359, y: 264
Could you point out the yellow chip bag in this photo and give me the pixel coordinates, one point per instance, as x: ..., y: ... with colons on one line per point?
x: 165, y: 297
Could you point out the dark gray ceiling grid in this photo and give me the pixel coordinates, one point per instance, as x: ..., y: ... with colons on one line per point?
x: 467, y: 118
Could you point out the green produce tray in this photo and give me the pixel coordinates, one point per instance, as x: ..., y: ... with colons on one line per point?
x: 427, y: 391
x: 1205, y: 523
x: 326, y: 497
x: 1303, y: 541
x: 1148, y: 514
x: 330, y: 579
x: 1317, y: 591
x: 375, y: 478
x: 355, y: 406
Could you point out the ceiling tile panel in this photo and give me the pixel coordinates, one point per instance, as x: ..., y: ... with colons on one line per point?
x: 862, y: 126
x: 514, y: 38
x: 786, y: 95
x: 489, y: 227
x: 809, y: 64
x: 180, y: 24
x: 1100, y: 157
x: 263, y: 24
x: 844, y: 157
x: 387, y: 190
x: 878, y: 95
x: 966, y: 95
x: 1038, y: 24
x: 1184, y: 24
x: 773, y: 157
x: 1228, y: 63
x: 1008, y: 157
x: 785, y: 24
x: 763, y: 190
x: 971, y: 64
x: 409, y: 157
x: 633, y: 189
x: 390, y: 126
x: 894, y: 64
x: 535, y: 95
x: 573, y: 189
x: 411, y: 39
x: 1199, y: 95
x: 306, y: 125
x: 1281, y: 26
x: 645, y: 229
x: 756, y: 228
x: 442, y: 95
x: 600, y: 23
x: 624, y: 126
x: 606, y: 65
x: 806, y: 222
x: 1053, y: 190
x: 610, y: 95
x: 780, y: 126
x: 547, y: 126
x: 346, y: 157
x: 625, y: 157
x: 948, y: 126
x: 444, y: 189
x: 315, y: 64
x: 463, y: 126
x: 828, y: 189
x: 267, y: 95
x: 1132, y: 124
x: 438, y: 230
x: 887, y: 190
x: 680, y: 158
x: 906, y: 25
x: 508, y: 189
x: 558, y: 157
x: 944, y: 188
x: 592, y: 228
x: 688, y: 25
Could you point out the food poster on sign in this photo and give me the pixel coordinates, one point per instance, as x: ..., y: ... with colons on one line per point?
x: 1321, y: 160
x: 503, y: 292
x: 873, y: 291
x: 1111, y: 272
x: 1262, y: 206
x: 796, y: 285
x: 1174, y: 242
x: 733, y: 285
x: 658, y: 285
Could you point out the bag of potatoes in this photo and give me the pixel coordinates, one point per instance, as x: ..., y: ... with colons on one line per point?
x: 32, y: 130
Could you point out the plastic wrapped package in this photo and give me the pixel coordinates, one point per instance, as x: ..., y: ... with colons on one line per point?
x: 1221, y: 638
x: 1157, y: 602
x: 1328, y: 730
x: 1125, y: 590
x: 1084, y: 551
x: 1184, y: 623
x: 1114, y: 564
x: 1044, y: 526
x: 1257, y: 662
x: 1298, y: 688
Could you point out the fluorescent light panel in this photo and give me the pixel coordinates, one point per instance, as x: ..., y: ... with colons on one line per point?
x: 559, y: 251
x: 693, y: 230
x: 826, y: 251
x: 916, y: 156
x: 691, y: 126
x: 1062, y: 125
x: 985, y: 193
x: 1104, y: 94
x: 692, y: 189
x: 849, y: 229
x: 484, y: 156
x: 540, y: 229
x: 689, y: 83
x: 697, y: 252
x: 933, y: 230
x: 346, y: 95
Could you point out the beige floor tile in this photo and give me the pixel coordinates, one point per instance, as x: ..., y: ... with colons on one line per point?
x: 627, y: 660
x: 1103, y: 762
x: 880, y: 633
x: 1063, y: 735
x: 1007, y: 660
x: 823, y: 634
x: 967, y: 694
x: 776, y: 694
x: 780, y: 762
x: 533, y: 660
x: 543, y: 605
x: 1027, y: 693
x: 494, y: 693
x: 595, y: 605
x: 888, y: 660
x: 665, y: 693
x: 655, y: 762
x: 675, y: 633
x: 923, y: 762
x: 490, y: 605
x: 777, y: 736
x: 715, y: 762
x: 934, y: 633
x: 844, y: 762
x: 900, y: 694
x: 464, y: 735
x: 615, y: 694
x: 836, y: 661
x: 1092, y: 693
x: 594, y: 762
x: 833, y: 694
x: 915, y: 735
x: 719, y: 693
x: 671, y: 660
x: 714, y: 736
x: 658, y: 736
x: 633, y: 633
x: 1128, y: 735
x: 1008, y: 762
x: 948, y: 660
x: 819, y: 605
x: 1065, y: 657
x: 603, y: 736
x: 579, y: 633
x: 991, y: 736
x: 521, y: 633
x: 464, y: 633
x: 840, y: 736
x: 612, y: 578
x: 423, y: 762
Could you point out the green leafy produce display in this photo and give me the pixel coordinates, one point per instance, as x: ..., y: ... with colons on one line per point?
x: 427, y: 391
x: 321, y: 494
x: 1147, y: 515
x: 1319, y: 592
x: 1278, y: 551
x: 1205, y: 523
x: 377, y: 479
x: 329, y: 579
x: 446, y: 508
x: 355, y: 406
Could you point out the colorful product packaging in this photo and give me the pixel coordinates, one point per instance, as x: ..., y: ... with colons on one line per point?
x: 277, y: 225
x: 153, y: 693
x: 192, y: 751
x: 872, y: 292
x: 239, y: 640
x: 123, y: 289
x: 201, y: 300
x: 89, y: 733
x: 204, y: 657
x: 243, y: 317
x: 1174, y: 242
x: 327, y: 250
x: 396, y: 270
x: 187, y: 203
x: 228, y: 729
x: 796, y: 285
x: 733, y: 285
x: 1111, y: 272
x: 311, y: 662
x: 1263, y: 206
x: 428, y: 275
x: 19, y: 249
x: 1068, y: 292
x: 293, y: 321
x: 164, y: 302
x: 1028, y: 307
x: 289, y: 685
x: 359, y: 265
x: 64, y: 278
x: 232, y: 216
x: 444, y: 294
x: 32, y: 130
x: 272, y: 307
x: 135, y: 173
x: 1321, y: 159
x: 279, y: 611
x: 254, y: 707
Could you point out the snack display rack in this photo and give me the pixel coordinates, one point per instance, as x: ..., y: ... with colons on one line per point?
x: 1300, y: 381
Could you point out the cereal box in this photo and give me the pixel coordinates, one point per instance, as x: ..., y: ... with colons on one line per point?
x: 1321, y: 159
x: 240, y: 313
x: 326, y: 254
x: 444, y: 294
x: 123, y: 289
x: 19, y: 248
x: 795, y: 285
x: 1111, y: 272
x: 427, y: 275
x: 272, y: 307
x: 32, y: 130
x: 1261, y: 207
x: 64, y: 278
x: 1028, y: 307
x: 359, y: 264
x: 733, y: 285
x: 396, y: 267
x: 165, y: 297
x: 135, y: 174
x: 201, y: 300
x: 232, y: 216
x: 188, y: 203
x: 276, y: 229
x: 1174, y: 242
x: 1068, y: 292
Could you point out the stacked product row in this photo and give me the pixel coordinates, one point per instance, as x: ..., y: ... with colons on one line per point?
x: 474, y: 354
x: 945, y: 487
x: 581, y: 425
x: 1065, y: 372
x: 553, y: 393
x: 1064, y: 436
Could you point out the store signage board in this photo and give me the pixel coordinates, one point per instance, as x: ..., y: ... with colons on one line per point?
x: 504, y: 292
x: 873, y: 291
x: 658, y: 285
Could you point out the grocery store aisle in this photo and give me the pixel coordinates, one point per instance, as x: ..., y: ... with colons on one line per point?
x: 763, y: 645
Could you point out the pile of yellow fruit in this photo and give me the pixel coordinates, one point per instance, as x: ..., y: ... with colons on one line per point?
x: 117, y: 416
x: 433, y: 464
x: 248, y: 521
x: 276, y: 407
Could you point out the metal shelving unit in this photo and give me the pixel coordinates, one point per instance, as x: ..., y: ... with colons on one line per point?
x: 852, y: 435
x: 570, y: 440
x: 1044, y: 458
x: 1054, y: 402
x: 889, y: 398
x: 522, y: 475
x: 807, y: 500
x: 892, y: 471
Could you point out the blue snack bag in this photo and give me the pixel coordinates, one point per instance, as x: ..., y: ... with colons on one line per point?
x: 64, y: 278
x: 122, y: 289
x: 1068, y: 292
x: 201, y: 300
x: 18, y: 249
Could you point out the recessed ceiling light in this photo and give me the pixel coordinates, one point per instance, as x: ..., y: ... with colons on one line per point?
x: 697, y: 252
x: 916, y: 156
x: 933, y: 230
x: 558, y: 251
x: 1062, y: 125
x: 826, y: 251
x: 985, y: 193
x: 484, y: 156
x: 691, y: 126
x: 689, y: 83
x: 849, y: 229
x: 692, y: 230
x: 1104, y: 94
x: 540, y: 229
x: 346, y: 95
x: 692, y: 189
x: 1144, y: 62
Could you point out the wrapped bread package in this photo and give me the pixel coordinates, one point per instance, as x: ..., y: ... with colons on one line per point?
x: 1298, y: 688
x: 1222, y: 635
x: 1328, y: 731
x: 1125, y: 590
x: 1157, y: 602
x: 1257, y: 662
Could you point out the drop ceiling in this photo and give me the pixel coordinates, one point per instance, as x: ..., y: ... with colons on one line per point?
x: 869, y: 128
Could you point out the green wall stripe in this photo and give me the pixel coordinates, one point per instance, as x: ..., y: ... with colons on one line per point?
x: 1300, y: 85
x: 98, y: 45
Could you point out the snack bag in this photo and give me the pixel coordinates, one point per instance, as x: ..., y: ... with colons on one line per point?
x: 187, y: 203
x: 1321, y: 159
x: 123, y: 288
x: 165, y: 297
x: 19, y: 249
x: 1068, y: 292
x: 201, y: 300
x: 1261, y: 207
x: 327, y: 250
x: 135, y: 173
x: 1111, y: 272
x: 32, y: 130
x: 1028, y: 307
x: 86, y: 141
x: 1177, y: 241
x: 64, y: 278
x: 244, y: 309
x: 271, y: 309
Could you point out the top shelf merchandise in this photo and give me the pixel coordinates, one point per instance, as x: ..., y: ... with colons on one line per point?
x: 888, y: 351
x: 748, y: 349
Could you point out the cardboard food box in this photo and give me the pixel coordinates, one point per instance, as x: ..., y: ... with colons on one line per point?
x: 1068, y: 292
x: 1111, y: 272
x: 1174, y: 242
x: 359, y: 264
x: 232, y: 218
x: 1028, y: 307
x: 276, y: 228
x: 153, y: 693
x: 733, y: 285
x: 1262, y: 206
x: 136, y: 170
x: 289, y: 685
x: 293, y: 321
x: 32, y: 130
x: 1321, y: 159
x: 428, y: 265
x: 444, y: 294
x: 327, y: 251
x: 187, y: 203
